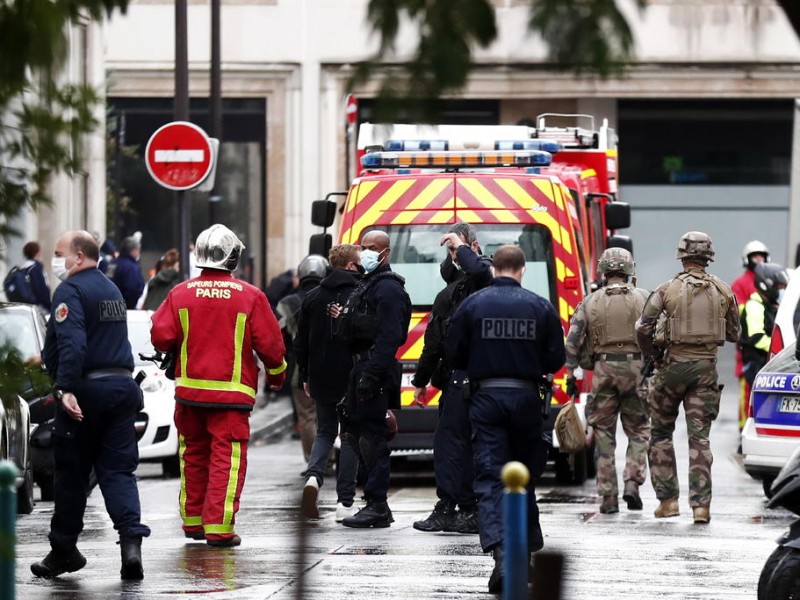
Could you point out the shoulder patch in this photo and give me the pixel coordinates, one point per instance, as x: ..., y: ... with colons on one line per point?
x: 61, y: 313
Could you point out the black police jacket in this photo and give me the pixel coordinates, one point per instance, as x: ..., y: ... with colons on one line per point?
x: 323, y: 360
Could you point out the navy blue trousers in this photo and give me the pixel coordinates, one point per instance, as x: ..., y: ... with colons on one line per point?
x: 452, y: 449
x: 506, y: 426
x: 105, y: 440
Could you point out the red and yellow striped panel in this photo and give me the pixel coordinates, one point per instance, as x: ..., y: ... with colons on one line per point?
x: 410, y: 352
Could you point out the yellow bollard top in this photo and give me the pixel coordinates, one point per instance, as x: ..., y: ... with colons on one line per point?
x: 515, y: 476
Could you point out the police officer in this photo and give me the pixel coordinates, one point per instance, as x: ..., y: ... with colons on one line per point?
x: 374, y: 324
x: 605, y: 321
x: 507, y: 339
x: 88, y: 354
x: 452, y: 451
x: 214, y: 324
x: 688, y: 318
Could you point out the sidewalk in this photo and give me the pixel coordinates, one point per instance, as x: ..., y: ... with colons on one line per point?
x: 271, y: 420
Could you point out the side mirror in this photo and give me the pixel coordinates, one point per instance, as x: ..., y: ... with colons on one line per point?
x: 620, y: 241
x: 320, y: 243
x: 618, y: 215
x: 323, y: 213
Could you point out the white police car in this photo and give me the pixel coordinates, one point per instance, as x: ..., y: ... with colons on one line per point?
x: 772, y: 430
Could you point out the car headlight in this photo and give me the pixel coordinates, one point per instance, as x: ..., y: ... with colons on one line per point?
x: 152, y: 385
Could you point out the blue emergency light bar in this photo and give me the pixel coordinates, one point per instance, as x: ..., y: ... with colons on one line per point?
x: 455, y: 160
x: 415, y: 145
x: 547, y: 145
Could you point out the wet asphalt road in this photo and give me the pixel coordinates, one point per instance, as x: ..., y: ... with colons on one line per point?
x: 624, y: 556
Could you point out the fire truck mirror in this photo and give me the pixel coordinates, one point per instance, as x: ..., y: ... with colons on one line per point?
x: 620, y: 241
x: 320, y: 243
x: 618, y: 215
x: 323, y: 213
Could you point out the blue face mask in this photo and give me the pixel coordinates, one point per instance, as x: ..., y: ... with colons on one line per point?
x: 370, y: 260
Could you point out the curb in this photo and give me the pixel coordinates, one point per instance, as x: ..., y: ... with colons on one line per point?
x: 272, y: 428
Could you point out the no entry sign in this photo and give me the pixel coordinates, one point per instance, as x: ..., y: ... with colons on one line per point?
x: 179, y: 156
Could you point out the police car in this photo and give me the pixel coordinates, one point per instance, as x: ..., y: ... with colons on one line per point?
x: 772, y: 430
x: 155, y: 427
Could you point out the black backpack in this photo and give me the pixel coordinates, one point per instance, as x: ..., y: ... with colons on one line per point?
x: 17, y: 285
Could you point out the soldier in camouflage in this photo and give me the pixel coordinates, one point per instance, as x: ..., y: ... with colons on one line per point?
x: 604, y: 322
x: 697, y: 313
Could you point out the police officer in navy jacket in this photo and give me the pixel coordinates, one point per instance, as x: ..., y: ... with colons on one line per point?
x: 507, y: 338
x: 88, y: 354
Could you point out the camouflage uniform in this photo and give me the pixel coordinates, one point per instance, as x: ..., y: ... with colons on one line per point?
x: 614, y: 394
x: 687, y: 374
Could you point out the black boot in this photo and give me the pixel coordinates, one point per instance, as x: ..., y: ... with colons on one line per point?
x: 496, y: 578
x: 374, y: 514
x: 58, y: 562
x: 131, y: 550
x: 465, y: 521
x: 442, y: 517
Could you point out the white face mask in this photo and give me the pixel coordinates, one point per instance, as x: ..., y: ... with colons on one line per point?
x: 370, y: 260
x: 59, y: 267
x: 780, y: 295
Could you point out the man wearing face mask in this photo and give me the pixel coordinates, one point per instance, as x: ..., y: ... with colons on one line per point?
x: 452, y: 451
x: 373, y: 325
x: 88, y: 354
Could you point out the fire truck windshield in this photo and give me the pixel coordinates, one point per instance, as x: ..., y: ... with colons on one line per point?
x: 416, y: 255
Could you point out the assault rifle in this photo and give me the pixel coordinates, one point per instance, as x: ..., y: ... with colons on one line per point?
x: 650, y: 365
x: 546, y: 394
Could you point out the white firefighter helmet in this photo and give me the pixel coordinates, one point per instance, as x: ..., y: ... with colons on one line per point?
x: 218, y: 248
x: 754, y: 247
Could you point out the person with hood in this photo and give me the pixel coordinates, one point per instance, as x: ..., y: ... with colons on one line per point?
x: 323, y: 365
x: 310, y: 272
x: 163, y: 281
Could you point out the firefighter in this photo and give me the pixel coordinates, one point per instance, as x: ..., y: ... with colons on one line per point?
x: 373, y: 324
x: 88, y: 354
x: 758, y: 318
x: 214, y: 323
x: 507, y: 339
x: 606, y: 321
x: 753, y: 254
x: 452, y: 451
x: 698, y: 314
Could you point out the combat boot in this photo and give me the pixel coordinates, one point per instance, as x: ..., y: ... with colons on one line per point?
x: 667, y: 508
x: 465, y: 521
x: 443, y: 516
x: 701, y: 514
x: 609, y: 505
x: 131, y: 551
x: 58, y: 562
x: 374, y: 514
x: 496, y: 578
x: 631, y: 496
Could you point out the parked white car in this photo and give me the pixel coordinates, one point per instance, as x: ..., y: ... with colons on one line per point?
x: 155, y: 425
x: 788, y: 317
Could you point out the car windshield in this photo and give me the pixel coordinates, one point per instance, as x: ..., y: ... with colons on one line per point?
x: 17, y: 331
x: 139, y: 336
x: 784, y: 362
x: 416, y: 255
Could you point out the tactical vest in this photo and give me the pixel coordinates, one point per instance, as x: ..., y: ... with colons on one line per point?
x: 358, y: 323
x: 696, y: 309
x: 611, y: 315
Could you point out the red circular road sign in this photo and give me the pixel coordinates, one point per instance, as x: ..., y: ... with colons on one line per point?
x: 351, y: 109
x: 179, y: 155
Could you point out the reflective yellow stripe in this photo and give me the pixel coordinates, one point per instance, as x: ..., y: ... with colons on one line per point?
x: 233, y: 482
x: 277, y: 370
x: 217, y: 386
x: 238, y: 342
x: 192, y: 521
x: 187, y: 520
x: 183, y: 315
x: 217, y: 529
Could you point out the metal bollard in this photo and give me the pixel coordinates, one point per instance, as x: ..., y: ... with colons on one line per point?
x: 515, y: 477
x: 8, y: 522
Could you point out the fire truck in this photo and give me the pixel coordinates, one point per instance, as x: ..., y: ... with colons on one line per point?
x: 550, y: 190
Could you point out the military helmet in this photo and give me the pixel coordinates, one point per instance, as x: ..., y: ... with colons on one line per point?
x: 754, y: 247
x: 697, y: 245
x: 218, y: 248
x: 616, y: 260
x: 312, y: 265
x: 769, y: 278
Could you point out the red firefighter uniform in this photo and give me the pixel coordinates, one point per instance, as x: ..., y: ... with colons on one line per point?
x: 214, y: 324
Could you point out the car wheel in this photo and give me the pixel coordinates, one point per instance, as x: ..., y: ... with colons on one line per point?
x: 171, y: 466
x: 785, y: 581
x: 767, y: 484
x: 25, y: 491
x: 768, y: 570
x: 46, y: 486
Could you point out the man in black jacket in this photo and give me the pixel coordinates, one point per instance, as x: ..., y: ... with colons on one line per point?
x: 452, y: 452
x: 323, y: 364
